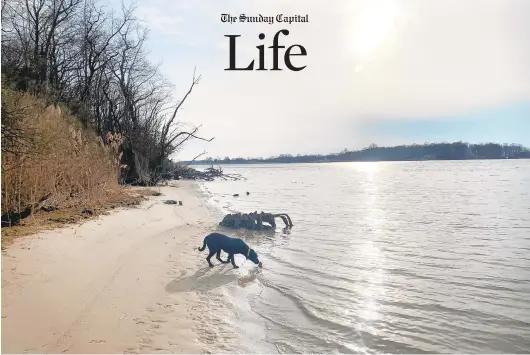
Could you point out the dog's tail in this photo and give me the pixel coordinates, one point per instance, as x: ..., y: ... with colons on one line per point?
x: 203, y: 245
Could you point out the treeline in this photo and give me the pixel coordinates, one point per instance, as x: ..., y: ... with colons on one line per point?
x: 78, y: 54
x: 427, y: 151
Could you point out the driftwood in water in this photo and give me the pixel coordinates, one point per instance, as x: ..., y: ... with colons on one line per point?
x: 255, y: 220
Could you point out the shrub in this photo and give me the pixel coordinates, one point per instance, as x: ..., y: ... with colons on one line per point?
x: 46, y: 150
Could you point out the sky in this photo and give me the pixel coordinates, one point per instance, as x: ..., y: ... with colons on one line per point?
x: 377, y: 71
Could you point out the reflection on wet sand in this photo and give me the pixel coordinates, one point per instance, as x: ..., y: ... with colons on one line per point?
x: 208, y: 279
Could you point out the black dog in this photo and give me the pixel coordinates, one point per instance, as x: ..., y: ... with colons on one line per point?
x: 218, y: 242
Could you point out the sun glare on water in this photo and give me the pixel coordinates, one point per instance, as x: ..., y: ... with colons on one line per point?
x: 373, y: 25
x: 367, y: 167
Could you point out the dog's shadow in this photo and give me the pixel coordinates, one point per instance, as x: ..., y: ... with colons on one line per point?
x: 205, y: 279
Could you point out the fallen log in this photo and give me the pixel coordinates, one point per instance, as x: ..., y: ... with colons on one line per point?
x: 13, y: 218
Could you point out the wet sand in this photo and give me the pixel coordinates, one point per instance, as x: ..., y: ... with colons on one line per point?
x: 114, y: 284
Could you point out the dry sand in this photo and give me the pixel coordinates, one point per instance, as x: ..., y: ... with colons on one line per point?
x: 128, y: 282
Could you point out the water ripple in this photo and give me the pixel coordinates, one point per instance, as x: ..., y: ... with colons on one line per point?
x: 392, y: 257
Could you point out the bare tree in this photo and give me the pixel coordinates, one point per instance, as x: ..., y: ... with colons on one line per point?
x: 77, y: 53
x: 171, y: 137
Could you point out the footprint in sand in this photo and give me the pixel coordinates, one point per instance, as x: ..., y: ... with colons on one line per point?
x: 159, y: 321
x: 97, y: 341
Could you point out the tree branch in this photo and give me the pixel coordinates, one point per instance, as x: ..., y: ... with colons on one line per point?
x: 189, y: 135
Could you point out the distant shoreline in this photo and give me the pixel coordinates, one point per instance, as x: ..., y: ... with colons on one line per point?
x: 268, y: 162
x: 374, y: 153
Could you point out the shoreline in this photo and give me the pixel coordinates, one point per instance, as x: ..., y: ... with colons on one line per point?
x: 270, y: 162
x: 124, y: 282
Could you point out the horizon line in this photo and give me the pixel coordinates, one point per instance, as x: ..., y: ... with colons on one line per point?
x: 370, y: 147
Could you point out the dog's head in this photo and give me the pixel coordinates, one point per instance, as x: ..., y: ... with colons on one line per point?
x: 253, y: 256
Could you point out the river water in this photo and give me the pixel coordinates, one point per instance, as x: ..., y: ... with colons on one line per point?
x: 388, y: 257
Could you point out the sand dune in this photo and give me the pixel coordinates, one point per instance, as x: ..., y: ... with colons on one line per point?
x: 127, y: 282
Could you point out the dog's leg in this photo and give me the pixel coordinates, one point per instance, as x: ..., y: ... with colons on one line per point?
x: 218, y: 256
x: 209, y: 257
x: 231, y: 257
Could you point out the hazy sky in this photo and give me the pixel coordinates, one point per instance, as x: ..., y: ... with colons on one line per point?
x: 378, y: 71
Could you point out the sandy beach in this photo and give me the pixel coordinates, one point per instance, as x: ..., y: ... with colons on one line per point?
x: 125, y: 282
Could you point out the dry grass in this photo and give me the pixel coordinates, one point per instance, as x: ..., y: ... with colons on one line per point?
x: 52, y: 154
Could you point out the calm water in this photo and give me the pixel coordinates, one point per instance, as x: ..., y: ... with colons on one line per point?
x: 386, y: 257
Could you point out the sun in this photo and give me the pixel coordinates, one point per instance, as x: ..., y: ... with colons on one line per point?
x: 373, y: 25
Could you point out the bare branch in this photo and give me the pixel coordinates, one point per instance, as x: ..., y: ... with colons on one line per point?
x: 188, y: 136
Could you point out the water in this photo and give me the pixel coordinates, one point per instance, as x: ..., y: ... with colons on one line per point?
x: 405, y: 257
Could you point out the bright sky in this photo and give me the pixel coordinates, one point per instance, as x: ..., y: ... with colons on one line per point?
x: 378, y: 71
